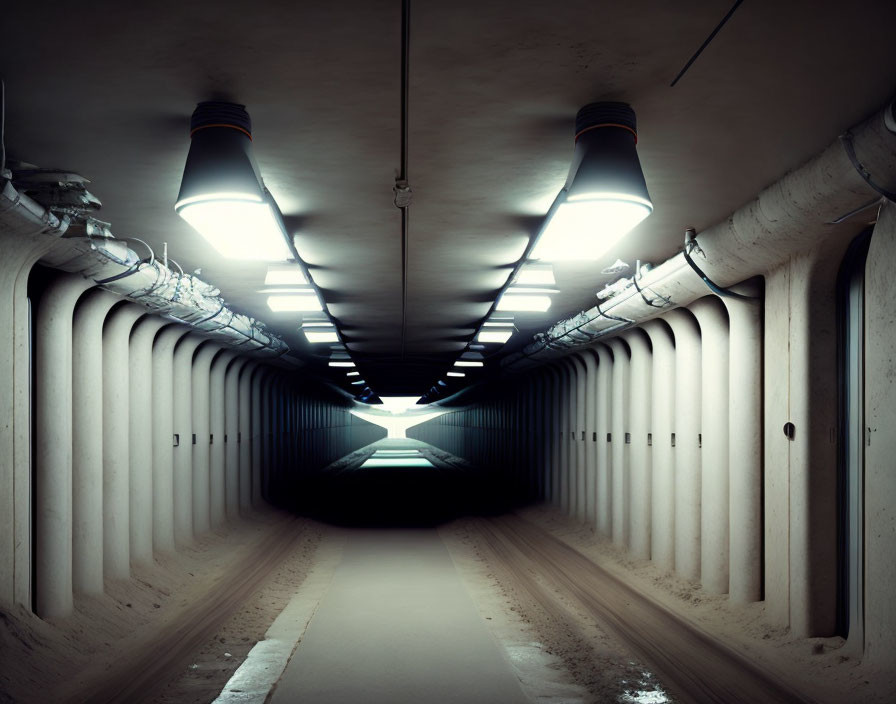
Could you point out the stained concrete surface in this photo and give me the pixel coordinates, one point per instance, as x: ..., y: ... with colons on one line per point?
x: 397, y: 625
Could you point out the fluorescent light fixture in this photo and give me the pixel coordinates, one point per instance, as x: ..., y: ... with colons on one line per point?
x: 525, y: 290
x: 456, y: 374
x: 358, y: 382
x: 236, y: 226
x: 538, y: 304
x: 588, y: 229
x: 497, y: 324
x: 471, y: 355
x: 467, y: 363
x: 317, y: 324
x: 221, y: 194
x: 316, y: 337
x: 353, y: 373
x: 284, y: 276
x: 500, y: 336
x: 536, y: 274
x: 281, y: 303
x: 605, y: 195
x: 338, y: 363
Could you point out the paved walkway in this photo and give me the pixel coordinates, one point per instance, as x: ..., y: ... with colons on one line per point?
x: 397, y: 625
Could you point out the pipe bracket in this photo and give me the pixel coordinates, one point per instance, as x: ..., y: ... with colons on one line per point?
x: 847, y: 140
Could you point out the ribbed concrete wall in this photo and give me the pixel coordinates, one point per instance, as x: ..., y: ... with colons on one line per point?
x: 685, y: 419
x: 145, y: 435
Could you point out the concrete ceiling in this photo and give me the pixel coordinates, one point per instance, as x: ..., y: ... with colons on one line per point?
x: 107, y: 90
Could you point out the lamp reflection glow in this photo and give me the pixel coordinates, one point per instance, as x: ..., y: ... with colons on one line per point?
x: 396, y: 424
x: 535, y: 275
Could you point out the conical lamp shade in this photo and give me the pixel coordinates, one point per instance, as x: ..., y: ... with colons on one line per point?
x: 221, y: 193
x: 605, y: 195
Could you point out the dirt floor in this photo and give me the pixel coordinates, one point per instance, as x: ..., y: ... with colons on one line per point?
x: 820, y: 669
x: 179, y: 629
x: 165, y: 633
x: 561, y: 653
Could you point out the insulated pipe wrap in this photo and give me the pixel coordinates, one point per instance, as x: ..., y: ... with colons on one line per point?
x: 787, y: 217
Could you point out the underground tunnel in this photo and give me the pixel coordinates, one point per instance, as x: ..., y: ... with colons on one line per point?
x: 405, y: 351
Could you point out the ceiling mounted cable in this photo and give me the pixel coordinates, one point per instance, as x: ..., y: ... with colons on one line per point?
x: 666, y: 300
x: 402, y: 189
x: 706, y: 42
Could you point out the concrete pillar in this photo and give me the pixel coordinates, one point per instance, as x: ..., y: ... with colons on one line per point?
x: 530, y: 435
x: 142, y: 389
x: 202, y: 362
x: 267, y: 461
x: 560, y: 478
x: 577, y: 487
x: 745, y: 448
x: 116, y: 440
x: 218, y: 400
x: 553, y: 435
x: 880, y: 446
x: 258, y: 386
x: 163, y: 413
x: 713, y: 320
x: 87, y: 440
x: 662, y: 409
x: 590, y: 488
x: 640, y: 468
x: 20, y: 252
x: 546, y: 432
x: 232, y: 438
x: 687, y: 449
x: 53, y: 446
x: 603, y: 521
x: 183, y: 430
x: 800, y: 491
x: 619, y: 482
x: 813, y: 452
x: 244, y: 471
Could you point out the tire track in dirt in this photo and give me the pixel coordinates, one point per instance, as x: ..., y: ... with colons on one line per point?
x: 695, y: 666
